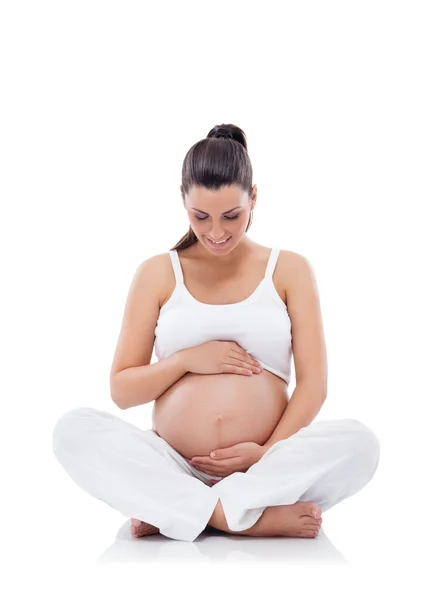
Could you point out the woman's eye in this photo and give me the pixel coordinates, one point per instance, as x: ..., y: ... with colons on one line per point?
x: 203, y: 218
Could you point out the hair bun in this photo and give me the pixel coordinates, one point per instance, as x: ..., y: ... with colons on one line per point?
x: 229, y: 131
x: 222, y: 132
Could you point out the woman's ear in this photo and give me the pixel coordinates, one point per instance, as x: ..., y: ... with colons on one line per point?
x: 253, y: 196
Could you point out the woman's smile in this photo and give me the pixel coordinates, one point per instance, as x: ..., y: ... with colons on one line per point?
x: 216, y: 246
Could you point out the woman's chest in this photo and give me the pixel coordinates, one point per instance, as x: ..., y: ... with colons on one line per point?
x: 212, y: 287
x: 231, y: 290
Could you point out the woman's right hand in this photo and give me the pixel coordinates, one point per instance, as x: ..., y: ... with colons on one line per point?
x: 220, y: 357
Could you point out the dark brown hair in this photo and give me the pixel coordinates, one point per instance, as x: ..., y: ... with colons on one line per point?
x: 220, y: 159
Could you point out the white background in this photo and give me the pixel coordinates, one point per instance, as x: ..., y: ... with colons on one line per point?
x: 100, y: 101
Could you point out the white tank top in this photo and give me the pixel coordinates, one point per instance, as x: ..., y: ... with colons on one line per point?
x: 260, y: 324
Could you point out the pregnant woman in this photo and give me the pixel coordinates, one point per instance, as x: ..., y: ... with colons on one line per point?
x: 226, y: 316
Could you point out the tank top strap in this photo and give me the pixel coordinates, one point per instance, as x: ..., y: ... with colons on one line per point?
x: 176, y: 266
x: 272, y: 262
x: 273, y: 257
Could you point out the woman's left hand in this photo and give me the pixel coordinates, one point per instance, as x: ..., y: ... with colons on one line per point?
x: 237, y: 458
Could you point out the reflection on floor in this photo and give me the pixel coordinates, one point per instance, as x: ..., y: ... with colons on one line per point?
x: 215, y: 545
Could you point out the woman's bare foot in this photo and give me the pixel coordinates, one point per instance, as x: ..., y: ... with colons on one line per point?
x: 140, y: 528
x: 290, y: 520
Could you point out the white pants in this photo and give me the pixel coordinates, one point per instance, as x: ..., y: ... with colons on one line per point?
x: 140, y: 475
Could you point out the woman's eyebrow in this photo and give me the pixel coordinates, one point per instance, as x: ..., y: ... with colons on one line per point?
x: 227, y: 211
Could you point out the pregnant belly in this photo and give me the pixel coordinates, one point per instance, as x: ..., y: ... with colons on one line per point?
x: 201, y: 413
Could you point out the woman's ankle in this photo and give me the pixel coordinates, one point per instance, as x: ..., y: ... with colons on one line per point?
x: 218, y: 520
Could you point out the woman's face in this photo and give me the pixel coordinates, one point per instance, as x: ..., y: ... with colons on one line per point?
x: 217, y: 215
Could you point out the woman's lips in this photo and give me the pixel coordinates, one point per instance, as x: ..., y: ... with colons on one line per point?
x: 213, y: 245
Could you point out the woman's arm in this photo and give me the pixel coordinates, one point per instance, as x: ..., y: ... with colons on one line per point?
x: 139, y: 385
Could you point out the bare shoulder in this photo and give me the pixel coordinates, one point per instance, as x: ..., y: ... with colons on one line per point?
x: 293, y: 260
x: 136, y: 338
x: 308, y: 342
x: 296, y: 272
x: 158, y: 268
x: 153, y: 275
x: 157, y: 262
x: 150, y: 268
x: 292, y: 263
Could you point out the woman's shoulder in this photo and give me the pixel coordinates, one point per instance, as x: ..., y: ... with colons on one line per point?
x: 291, y: 257
x: 157, y: 271
x: 155, y: 261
